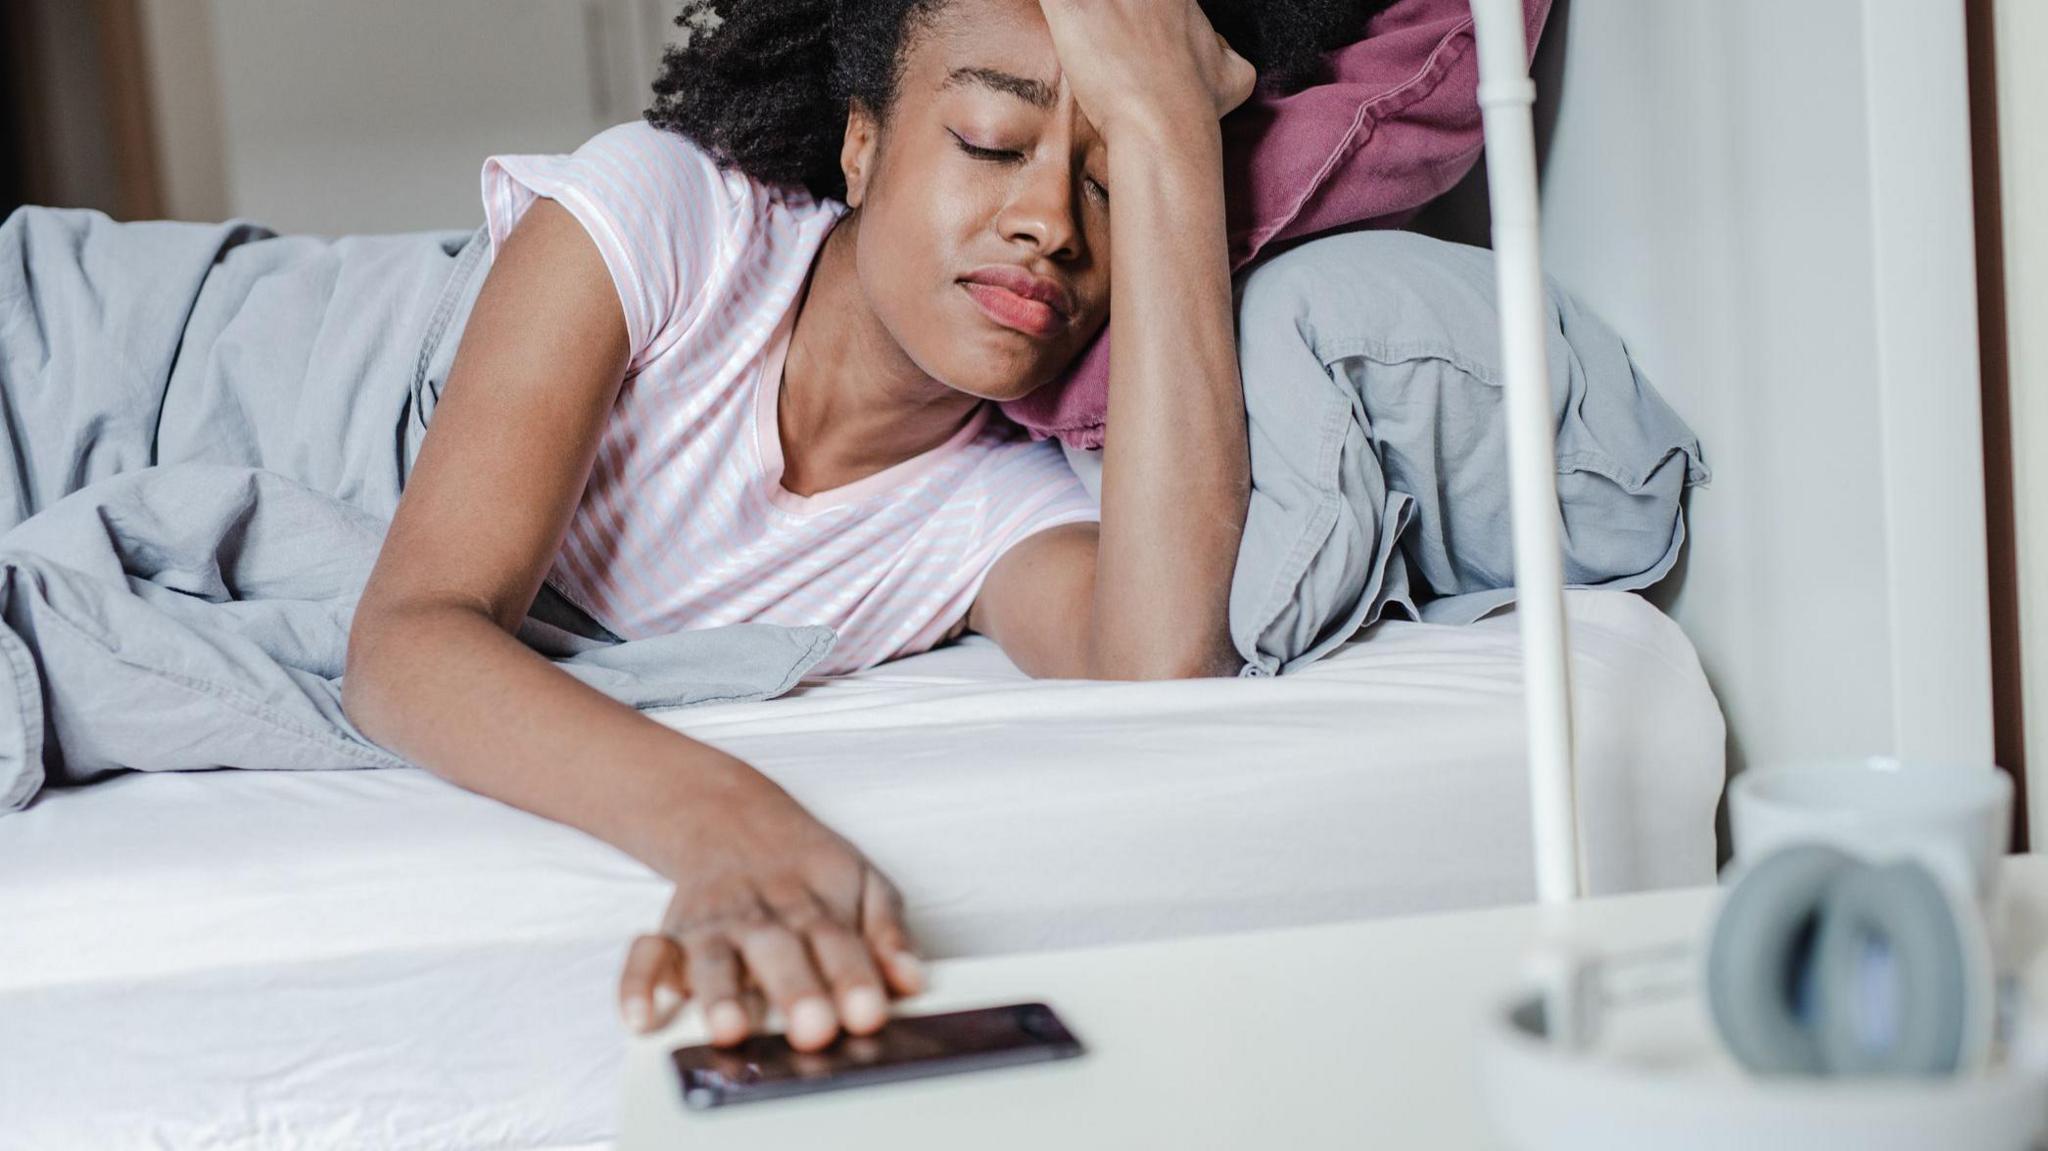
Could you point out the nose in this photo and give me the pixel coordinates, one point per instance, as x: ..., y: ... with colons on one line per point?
x: 1042, y: 210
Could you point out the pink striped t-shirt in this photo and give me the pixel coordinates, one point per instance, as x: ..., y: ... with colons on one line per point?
x: 685, y: 522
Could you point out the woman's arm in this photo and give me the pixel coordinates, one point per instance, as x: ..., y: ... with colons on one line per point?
x: 1175, y: 470
x: 436, y: 673
x: 434, y: 670
x: 1154, y: 79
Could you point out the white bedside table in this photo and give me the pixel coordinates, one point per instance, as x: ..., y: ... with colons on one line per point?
x: 1353, y: 1034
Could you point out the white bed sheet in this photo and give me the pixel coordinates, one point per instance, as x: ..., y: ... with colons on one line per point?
x: 234, y: 959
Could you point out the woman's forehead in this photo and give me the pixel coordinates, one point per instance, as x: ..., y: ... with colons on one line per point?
x: 1005, y: 37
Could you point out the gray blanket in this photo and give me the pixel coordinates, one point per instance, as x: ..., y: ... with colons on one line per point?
x: 204, y: 430
x: 1378, y: 433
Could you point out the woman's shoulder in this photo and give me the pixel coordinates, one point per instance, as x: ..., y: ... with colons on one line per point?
x: 682, y: 235
x: 661, y: 152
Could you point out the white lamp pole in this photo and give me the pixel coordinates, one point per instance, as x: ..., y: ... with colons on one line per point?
x: 1506, y: 95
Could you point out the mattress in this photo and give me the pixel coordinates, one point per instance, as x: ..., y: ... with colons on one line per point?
x: 231, y: 959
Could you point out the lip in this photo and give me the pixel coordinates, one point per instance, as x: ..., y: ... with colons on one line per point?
x: 1018, y: 299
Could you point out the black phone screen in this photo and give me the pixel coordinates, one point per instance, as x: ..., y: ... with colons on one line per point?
x: 907, y: 1047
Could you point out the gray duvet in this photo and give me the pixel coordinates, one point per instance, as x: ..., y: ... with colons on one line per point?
x: 204, y: 430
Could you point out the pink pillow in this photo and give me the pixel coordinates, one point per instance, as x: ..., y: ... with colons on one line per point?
x: 1396, y: 126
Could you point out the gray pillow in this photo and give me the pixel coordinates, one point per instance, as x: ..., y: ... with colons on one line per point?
x: 1374, y: 408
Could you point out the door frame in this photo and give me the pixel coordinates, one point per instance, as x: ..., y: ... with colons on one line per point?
x: 2013, y: 253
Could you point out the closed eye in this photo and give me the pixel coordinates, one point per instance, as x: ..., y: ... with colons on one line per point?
x: 998, y: 154
x: 1009, y: 156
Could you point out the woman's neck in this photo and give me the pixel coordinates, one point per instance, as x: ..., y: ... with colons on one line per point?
x: 853, y: 403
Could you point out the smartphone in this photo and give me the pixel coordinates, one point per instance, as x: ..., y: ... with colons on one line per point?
x: 907, y: 1047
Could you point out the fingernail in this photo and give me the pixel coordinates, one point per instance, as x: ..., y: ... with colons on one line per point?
x: 726, y: 1017
x: 665, y: 1000
x: 864, y: 1007
x: 812, y: 1016
x: 635, y: 1011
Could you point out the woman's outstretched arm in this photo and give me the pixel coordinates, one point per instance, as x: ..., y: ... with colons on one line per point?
x: 1154, y: 79
x: 436, y: 673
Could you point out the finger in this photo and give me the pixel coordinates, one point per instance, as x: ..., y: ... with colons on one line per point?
x: 1243, y: 83
x: 756, y: 1006
x: 650, y: 966
x: 776, y: 957
x: 1240, y: 77
x: 840, y: 954
x: 843, y: 958
x: 714, y: 973
x: 669, y: 986
x: 881, y: 924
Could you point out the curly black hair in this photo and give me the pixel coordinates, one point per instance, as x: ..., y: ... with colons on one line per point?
x: 764, y: 85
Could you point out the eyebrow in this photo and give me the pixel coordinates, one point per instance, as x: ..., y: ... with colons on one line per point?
x: 1037, y: 93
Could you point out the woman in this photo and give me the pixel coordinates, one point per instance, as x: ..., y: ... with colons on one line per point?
x: 738, y: 363
x: 952, y: 249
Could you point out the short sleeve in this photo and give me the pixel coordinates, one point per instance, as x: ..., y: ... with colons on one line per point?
x: 1024, y: 488
x: 656, y: 205
x: 1038, y: 490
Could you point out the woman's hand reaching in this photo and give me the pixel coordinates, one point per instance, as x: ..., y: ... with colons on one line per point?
x: 1152, y: 63
x: 769, y: 904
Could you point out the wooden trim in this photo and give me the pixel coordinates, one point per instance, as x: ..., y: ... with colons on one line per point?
x: 2020, y: 34
x: 2008, y: 718
x: 22, y: 73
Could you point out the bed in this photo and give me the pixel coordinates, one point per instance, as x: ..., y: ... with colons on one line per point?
x: 242, y: 959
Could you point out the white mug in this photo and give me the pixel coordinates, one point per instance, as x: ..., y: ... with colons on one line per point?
x: 1957, y: 817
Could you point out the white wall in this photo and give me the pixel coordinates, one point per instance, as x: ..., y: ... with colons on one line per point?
x: 184, y: 88
x: 1771, y: 202
x: 377, y: 115
x: 2022, y: 33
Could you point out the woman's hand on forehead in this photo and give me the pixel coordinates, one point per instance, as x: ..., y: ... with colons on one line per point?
x: 1150, y: 63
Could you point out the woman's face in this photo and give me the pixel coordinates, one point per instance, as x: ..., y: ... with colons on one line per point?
x: 985, y: 168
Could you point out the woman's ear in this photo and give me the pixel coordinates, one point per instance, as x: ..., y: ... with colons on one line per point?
x: 857, y: 152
